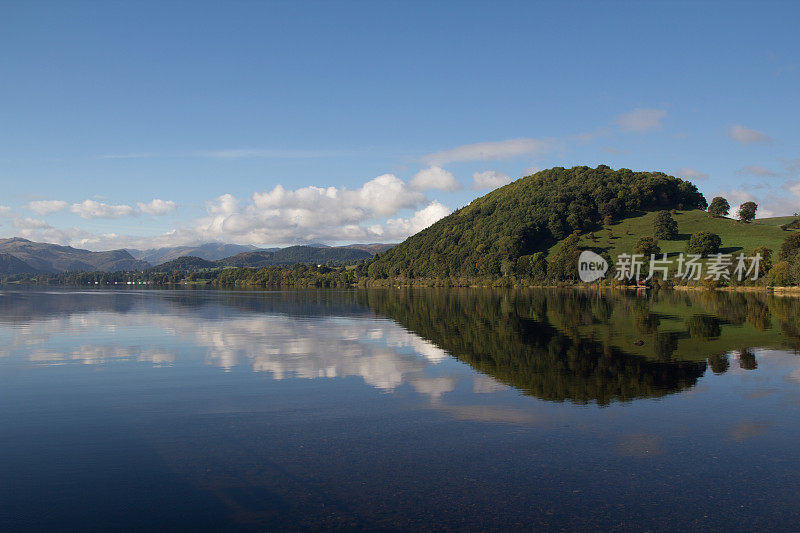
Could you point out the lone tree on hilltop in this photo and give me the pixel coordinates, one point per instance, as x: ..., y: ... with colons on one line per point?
x: 719, y: 207
x: 704, y: 243
x: 747, y: 211
x: 664, y: 226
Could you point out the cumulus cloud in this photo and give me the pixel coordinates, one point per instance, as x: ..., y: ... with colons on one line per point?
x: 28, y: 223
x: 309, y: 214
x: 45, y: 207
x: 158, y: 207
x: 641, y: 120
x: 40, y: 231
x: 744, y: 135
x: 400, y: 228
x: 94, y: 209
x: 489, y: 179
x: 691, y: 174
x: 385, y: 209
x: 491, y: 151
x: 772, y: 200
x: 5, y: 211
x: 755, y: 170
x: 435, y: 178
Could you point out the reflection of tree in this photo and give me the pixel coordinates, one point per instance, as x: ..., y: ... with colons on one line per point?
x: 645, y: 322
x: 719, y: 363
x: 664, y: 345
x: 759, y: 316
x: 747, y: 359
x: 703, y: 327
x: 510, y: 338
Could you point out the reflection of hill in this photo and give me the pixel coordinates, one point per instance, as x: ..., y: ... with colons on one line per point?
x: 508, y: 338
x: 556, y: 345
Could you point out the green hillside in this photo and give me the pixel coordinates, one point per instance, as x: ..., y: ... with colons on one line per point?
x: 735, y: 235
x: 776, y: 221
x: 488, y: 237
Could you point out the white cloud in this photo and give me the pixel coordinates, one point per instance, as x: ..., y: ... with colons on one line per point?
x: 158, y: 207
x: 691, y: 174
x: 737, y: 197
x: 400, y: 228
x: 94, y: 209
x: 772, y: 201
x: 308, y: 214
x: 755, y: 170
x: 641, y: 120
x: 45, y: 207
x: 489, y: 179
x: 28, y: 223
x: 486, y: 151
x: 743, y: 135
x: 435, y: 178
x: 5, y: 211
x: 373, y: 212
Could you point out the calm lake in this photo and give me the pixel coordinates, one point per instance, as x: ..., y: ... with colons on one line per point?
x: 398, y: 410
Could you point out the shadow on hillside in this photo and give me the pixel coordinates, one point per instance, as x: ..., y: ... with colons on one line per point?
x: 730, y: 249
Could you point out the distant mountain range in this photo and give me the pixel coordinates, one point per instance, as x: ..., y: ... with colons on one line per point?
x: 21, y: 256
x: 210, y: 251
x: 214, y: 251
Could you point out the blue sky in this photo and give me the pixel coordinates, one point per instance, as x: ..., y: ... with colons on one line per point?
x: 147, y: 124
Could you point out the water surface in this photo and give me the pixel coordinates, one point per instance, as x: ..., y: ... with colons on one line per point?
x: 398, y: 410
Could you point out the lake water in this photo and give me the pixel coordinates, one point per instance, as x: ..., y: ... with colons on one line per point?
x: 398, y: 410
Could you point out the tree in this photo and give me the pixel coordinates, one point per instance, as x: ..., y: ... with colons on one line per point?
x: 719, y: 207
x: 647, y: 246
x: 781, y: 275
x: 564, y: 264
x: 790, y: 247
x: 765, y: 264
x: 664, y: 226
x: 704, y: 243
x: 533, y: 266
x: 747, y: 211
x: 556, y: 227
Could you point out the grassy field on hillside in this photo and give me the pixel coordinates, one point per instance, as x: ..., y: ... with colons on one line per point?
x: 775, y: 221
x: 736, y: 236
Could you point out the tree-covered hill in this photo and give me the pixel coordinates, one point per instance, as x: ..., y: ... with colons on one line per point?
x: 487, y: 237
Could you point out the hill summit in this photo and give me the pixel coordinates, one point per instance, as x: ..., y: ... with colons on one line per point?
x: 488, y: 236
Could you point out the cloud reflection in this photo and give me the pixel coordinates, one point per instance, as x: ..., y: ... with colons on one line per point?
x: 384, y: 355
